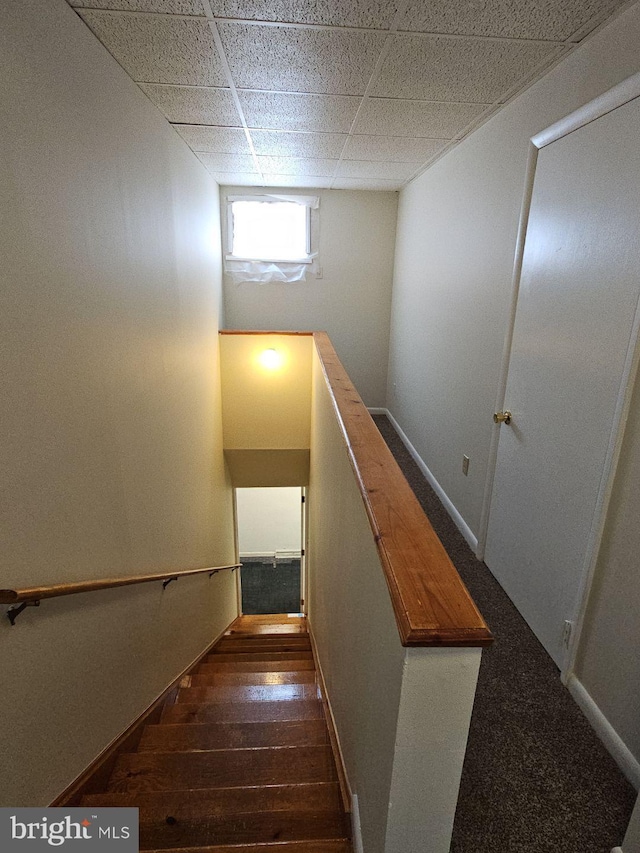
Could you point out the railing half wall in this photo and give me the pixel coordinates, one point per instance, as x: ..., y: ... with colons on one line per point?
x: 397, y: 636
x: 431, y: 604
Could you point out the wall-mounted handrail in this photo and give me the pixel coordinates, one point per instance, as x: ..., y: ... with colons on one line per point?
x: 31, y: 595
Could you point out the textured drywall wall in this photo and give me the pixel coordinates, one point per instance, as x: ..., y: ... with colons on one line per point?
x: 266, y: 407
x: 457, y: 228
x: 111, y: 451
x: 351, y: 301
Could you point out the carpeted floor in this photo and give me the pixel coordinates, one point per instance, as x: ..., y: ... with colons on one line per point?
x: 536, y: 778
x: 270, y: 589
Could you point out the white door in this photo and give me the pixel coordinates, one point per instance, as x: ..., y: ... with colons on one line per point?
x: 571, y: 357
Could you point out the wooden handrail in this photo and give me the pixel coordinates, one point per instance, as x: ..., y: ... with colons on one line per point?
x: 432, y: 606
x: 37, y: 593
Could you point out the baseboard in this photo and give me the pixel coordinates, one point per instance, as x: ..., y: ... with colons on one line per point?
x: 459, y: 521
x: 345, y: 787
x: 605, y: 731
x: 94, y: 778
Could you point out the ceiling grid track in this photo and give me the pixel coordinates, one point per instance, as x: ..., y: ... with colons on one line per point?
x: 364, y: 95
x: 206, y: 5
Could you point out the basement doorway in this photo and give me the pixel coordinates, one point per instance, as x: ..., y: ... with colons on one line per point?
x: 270, y: 536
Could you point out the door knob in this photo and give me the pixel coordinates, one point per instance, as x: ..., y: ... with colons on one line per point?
x: 502, y: 418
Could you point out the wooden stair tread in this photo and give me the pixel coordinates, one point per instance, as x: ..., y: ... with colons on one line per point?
x: 296, y: 676
x: 272, y: 623
x: 179, y: 771
x: 158, y: 805
x: 336, y: 845
x: 253, y: 646
x: 242, y: 712
x: 264, y: 635
x: 207, y: 736
x: 265, y: 654
x: 265, y: 642
x: 248, y: 693
x: 283, y: 665
x: 240, y: 759
x: 244, y: 828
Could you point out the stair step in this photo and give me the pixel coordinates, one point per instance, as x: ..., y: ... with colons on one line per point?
x: 262, y: 642
x: 243, y: 712
x: 248, y: 693
x: 285, y: 665
x: 265, y: 654
x: 271, y: 623
x: 243, y: 829
x: 233, y: 647
x: 184, y: 771
x: 336, y: 845
x: 158, y: 805
x: 262, y: 635
x: 184, y: 738
x: 215, y: 679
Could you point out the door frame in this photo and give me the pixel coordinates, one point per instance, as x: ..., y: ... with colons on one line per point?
x: 626, y: 91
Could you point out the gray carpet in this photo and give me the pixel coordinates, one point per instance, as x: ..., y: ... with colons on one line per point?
x: 270, y: 589
x: 536, y: 778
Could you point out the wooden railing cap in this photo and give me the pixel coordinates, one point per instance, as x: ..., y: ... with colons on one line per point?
x: 432, y: 606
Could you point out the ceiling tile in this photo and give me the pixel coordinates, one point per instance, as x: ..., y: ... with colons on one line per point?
x: 228, y: 162
x: 286, y: 111
x: 283, y: 144
x: 300, y: 60
x: 194, y: 106
x: 526, y: 19
x: 389, y: 117
x: 365, y: 169
x: 400, y: 149
x: 235, y: 179
x: 217, y: 140
x: 366, y: 184
x: 310, y: 181
x: 159, y: 49
x: 435, y: 68
x: 172, y: 7
x: 371, y: 14
x: 297, y: 166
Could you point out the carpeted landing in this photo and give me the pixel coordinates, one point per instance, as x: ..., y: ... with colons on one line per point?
x: 269, y: 588
x: 536, y: 778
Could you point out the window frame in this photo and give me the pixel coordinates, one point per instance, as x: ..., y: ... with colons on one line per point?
x: 268, y: 199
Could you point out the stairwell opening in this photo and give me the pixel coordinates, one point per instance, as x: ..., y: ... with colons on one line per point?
x: 270, y: 535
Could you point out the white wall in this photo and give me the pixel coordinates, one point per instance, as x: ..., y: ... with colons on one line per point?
x: 401, y: 714
x: 452, y: 285
x: 111, y: 451
x: 351, y: 301
x: 269, y: 520
x: 609, y: 660
x: 631, y: 842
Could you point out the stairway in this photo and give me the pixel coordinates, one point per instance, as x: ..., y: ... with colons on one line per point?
x: 241, y: 759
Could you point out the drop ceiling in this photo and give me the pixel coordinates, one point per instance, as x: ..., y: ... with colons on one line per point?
x: 359, y: 94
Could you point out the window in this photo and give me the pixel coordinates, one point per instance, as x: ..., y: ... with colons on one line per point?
x: 270, y: 231
x: 269, y: 237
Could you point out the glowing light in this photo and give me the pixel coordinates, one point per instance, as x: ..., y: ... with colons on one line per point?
x: 270, y: 359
